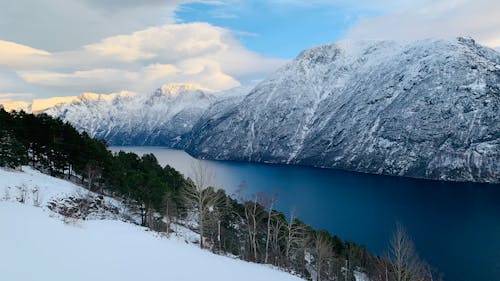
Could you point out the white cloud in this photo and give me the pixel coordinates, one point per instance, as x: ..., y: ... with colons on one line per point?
x: 17, y: 50
x: 65, y: 47
x: 425, y: 18
x: 58, y: 25
x: 166, y: 42
x: 197, y: 53
x: 12, y: 54
x: 205, y: 73
x: 99, y: 80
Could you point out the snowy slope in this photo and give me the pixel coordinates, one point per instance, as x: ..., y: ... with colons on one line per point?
x: 35, y: 244
x: 42, y: 190
x: 425, y: 109
x: 38, y: 247
x: 164, y: 117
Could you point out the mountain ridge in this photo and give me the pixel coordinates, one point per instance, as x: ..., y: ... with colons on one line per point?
x: 423, y: 109
x: 426, y: 109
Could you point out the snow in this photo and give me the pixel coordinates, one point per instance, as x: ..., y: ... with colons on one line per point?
x: 45, y: 188
x: 415, y: 109
x: 121, y: 119
x: 48, y: 187
x: 360, y: 276
x: 38, y: 247
x: 35, y: 244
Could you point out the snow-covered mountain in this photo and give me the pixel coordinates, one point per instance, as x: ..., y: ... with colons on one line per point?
x: 425, y: 109
x: 39, y: 105
x: 161, y: 118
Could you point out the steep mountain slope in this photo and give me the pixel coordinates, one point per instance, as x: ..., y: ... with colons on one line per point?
x: 426, y: 109
x: 161, y: 118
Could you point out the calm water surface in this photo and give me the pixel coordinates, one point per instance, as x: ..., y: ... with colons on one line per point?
x: 455, y: 226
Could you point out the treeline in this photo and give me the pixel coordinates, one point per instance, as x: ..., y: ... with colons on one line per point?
x: 248, y: 226
x: 57, y: 148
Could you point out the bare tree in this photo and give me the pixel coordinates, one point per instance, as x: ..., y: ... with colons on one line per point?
x: 324, y: 251
x: 295, y: 236
x: 199, y: 195
x: 92, y: 171
x: 213, y: 223
x: 268, y: 203
x: 253, y: 218
x: 406, y: 265
x: 378, y: 268
x: 170, y: 210
x: 278, y: 228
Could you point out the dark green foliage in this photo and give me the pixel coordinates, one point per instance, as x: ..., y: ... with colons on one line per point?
x: 12, y: 152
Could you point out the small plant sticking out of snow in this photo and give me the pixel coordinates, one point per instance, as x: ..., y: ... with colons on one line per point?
x: 83, y: 207
x: 36, y: 196
x: 22, y: 194
x: 6, y: 195
x: 69, y: 218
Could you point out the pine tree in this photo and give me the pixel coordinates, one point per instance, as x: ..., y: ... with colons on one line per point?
x: 12, y: 152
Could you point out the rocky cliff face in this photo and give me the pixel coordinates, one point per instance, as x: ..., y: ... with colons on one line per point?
x: 425, y: 109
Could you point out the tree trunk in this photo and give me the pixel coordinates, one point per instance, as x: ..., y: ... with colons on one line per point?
x: 268, y: 230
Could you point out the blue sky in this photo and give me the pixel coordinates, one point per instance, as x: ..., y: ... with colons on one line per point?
x: 276, y: 29
x: 67, y: 47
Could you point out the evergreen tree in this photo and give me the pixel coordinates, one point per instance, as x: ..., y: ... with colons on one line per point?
x: 12, y: 152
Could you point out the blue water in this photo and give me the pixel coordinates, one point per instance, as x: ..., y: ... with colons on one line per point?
x: 455, y: 226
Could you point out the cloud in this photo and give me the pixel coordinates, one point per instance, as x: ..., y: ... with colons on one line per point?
x: 195, y: 71
x: 445, y: 18
x: 141, y: 61
x: 17, y: 50
x: 17, y: 55
x: 58, y: 25
x: 164, y: 42
x: 100, y: 80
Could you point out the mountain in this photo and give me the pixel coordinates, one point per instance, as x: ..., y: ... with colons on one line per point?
x: 163, y: 117
x: 37, y: 105
x: 424, y: 109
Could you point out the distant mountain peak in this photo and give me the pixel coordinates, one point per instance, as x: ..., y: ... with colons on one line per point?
x: 89, y: 96
x: 177, y: 88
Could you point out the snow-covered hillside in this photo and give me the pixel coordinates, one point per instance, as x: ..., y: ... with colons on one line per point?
x: 36, y: 244
x: 425, y: 109
x: 164, y: 117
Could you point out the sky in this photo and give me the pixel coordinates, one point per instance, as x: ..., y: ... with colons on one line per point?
x: 67, y: 47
